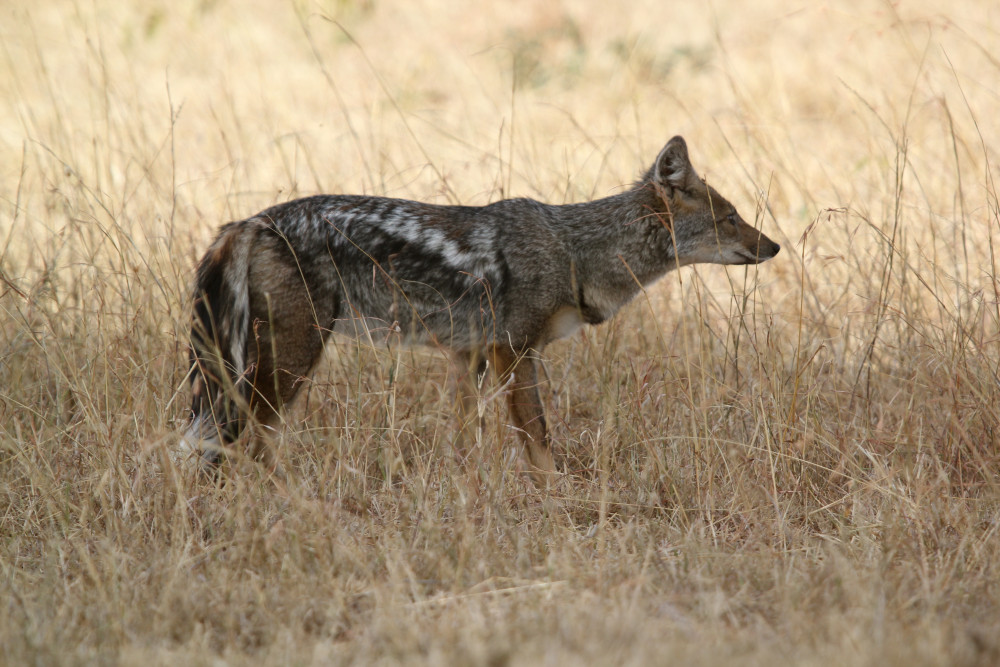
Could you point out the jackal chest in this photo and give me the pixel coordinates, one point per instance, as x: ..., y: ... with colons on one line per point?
x: 564, y: 323
x: 593, y: 307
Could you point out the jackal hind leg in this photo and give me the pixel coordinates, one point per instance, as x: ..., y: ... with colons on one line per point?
x: 290, y: 324
x: 524, y: 405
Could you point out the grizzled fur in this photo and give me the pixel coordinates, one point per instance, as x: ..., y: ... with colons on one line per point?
x: 489, y: 283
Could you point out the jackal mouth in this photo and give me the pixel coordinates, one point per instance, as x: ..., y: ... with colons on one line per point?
x: 766, y: 252
x: 759, y: 258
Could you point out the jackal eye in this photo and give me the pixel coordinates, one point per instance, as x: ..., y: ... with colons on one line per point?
x: 732, y: 218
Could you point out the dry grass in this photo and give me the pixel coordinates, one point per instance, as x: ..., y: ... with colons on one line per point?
x: 790, y: 464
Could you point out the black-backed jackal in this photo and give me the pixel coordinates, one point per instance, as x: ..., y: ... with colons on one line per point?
x: 489, y: 283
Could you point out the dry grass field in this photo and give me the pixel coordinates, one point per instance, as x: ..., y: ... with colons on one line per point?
x: 795, y: 463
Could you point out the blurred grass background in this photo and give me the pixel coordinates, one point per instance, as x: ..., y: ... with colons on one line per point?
x: 794, y: 463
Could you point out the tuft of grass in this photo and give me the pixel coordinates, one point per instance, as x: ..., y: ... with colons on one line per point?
x: 792, y: 463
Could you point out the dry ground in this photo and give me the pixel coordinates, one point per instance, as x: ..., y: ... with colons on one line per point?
x: 790, y: 464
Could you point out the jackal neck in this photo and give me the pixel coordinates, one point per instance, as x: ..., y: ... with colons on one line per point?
x: 622, y: 238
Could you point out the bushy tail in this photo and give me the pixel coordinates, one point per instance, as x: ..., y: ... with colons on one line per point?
x: 219, y: 385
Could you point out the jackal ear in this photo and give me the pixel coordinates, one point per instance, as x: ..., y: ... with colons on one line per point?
x: 673, y: 166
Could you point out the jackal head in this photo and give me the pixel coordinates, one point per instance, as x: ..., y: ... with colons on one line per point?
x: 704, y: 227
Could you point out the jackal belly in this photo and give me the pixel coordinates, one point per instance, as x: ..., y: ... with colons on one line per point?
x: 458, y: 313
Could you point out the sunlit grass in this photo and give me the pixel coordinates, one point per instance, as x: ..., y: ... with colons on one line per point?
x: 791, y: 463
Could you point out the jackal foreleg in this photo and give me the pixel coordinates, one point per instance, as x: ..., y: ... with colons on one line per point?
x: 524, y: 403
x: 466, y: 373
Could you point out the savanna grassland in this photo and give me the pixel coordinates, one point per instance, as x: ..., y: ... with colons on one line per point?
x: 795, y: 463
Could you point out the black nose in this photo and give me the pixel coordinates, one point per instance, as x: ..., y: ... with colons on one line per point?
x: 777, y: 248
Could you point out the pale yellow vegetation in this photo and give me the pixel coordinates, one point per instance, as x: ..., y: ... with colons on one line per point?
x: 790, y: 464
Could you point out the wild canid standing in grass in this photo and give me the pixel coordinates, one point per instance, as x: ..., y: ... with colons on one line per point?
x: 488, y: 283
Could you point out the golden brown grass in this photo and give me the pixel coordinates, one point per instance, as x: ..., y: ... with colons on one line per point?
x: 791, y: 464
